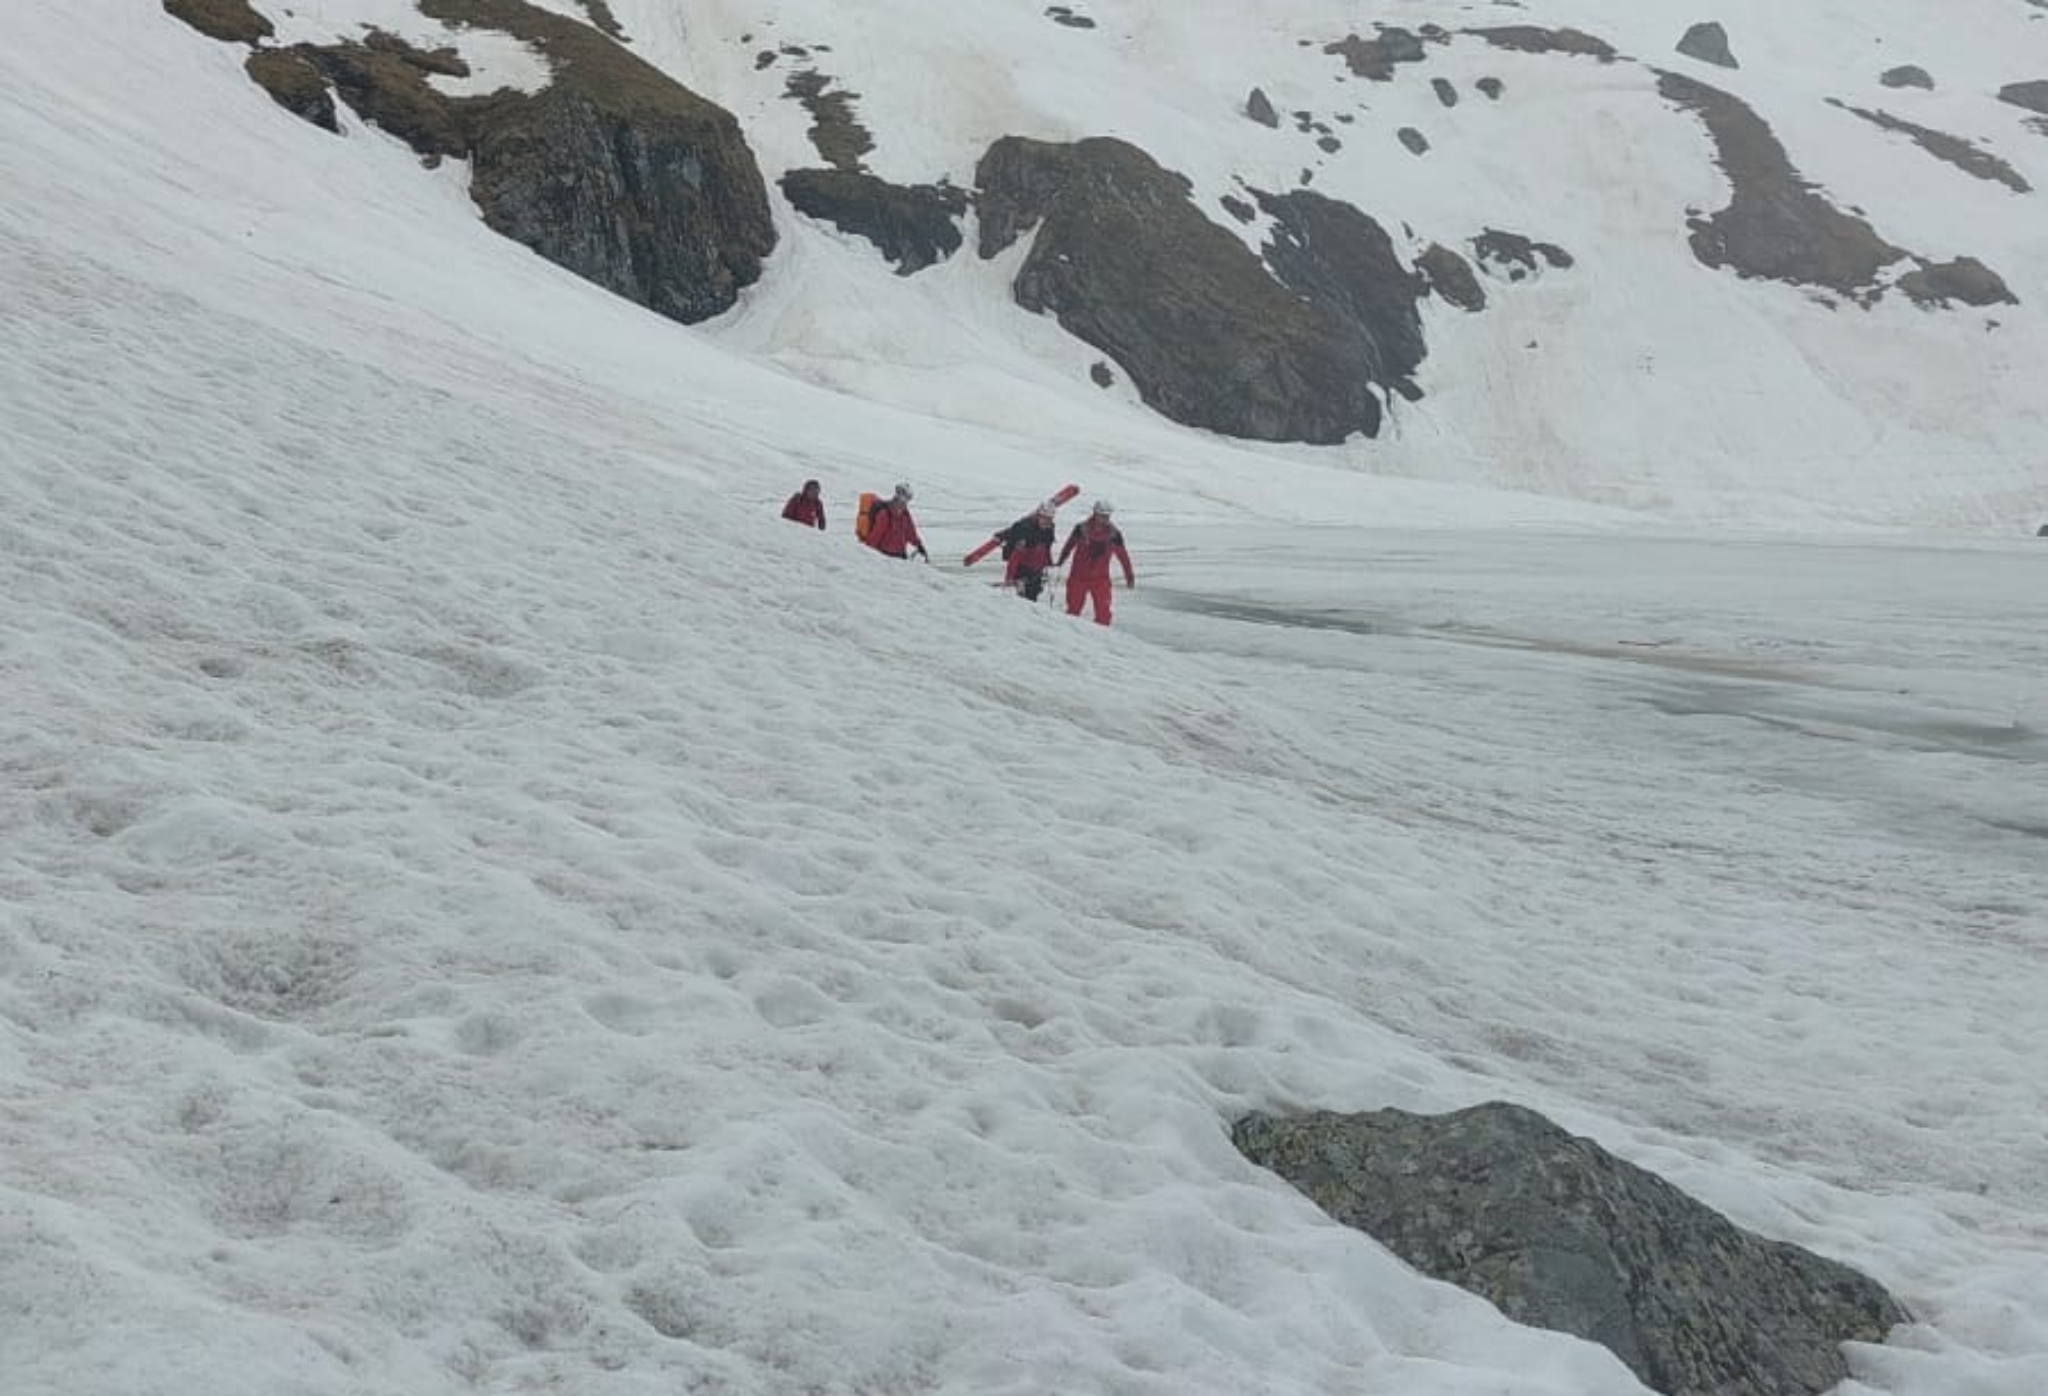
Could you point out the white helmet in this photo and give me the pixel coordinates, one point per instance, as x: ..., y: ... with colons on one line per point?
x: 903, y: 491
x: 1048, y: 509
x: 1101, y: 509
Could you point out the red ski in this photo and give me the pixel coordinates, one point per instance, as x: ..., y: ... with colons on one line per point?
x: 1059, y: 497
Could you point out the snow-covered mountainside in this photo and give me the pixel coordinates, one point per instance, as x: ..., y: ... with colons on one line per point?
x: 1783, y: 271
x: 485, y: 906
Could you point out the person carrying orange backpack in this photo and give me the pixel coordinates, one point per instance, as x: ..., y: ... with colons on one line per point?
x: 1092, y: 544
x: 891, y: 530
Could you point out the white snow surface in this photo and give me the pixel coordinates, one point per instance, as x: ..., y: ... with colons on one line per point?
x: 485, y: 906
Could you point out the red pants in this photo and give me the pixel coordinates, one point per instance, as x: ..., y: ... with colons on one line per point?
x: 1080, y: 589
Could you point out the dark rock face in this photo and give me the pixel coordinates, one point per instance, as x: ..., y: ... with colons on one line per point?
x: 1259, y: 107
x: 1451, y: 277
x: 1907, y: 75
x: 294, y: 84
x: 2042, y: 531
x: 1558, y: 1233
x: 1777, y: 227
x: 1206, y: 333
x: 1344, y: 263
x: 1099, y: 372
x: 1970, y: 159
x: 615, y: 172
x: 601, y: 16
x: 1417, y: 143
x: 387, y: 88
x: 1527, y: 38
x: 1709, y: 43
x: 2031, y: 95
x: 1237, y: 208
x: 1446, y: 91
x: 1964, y: 281
x: 230, y: 21
x: 915, y: 225
x: 1516, y: 257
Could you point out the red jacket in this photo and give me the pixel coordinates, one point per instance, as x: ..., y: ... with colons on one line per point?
x: 891, y: 530
x: 1092, y: 544
x: 805, y: 507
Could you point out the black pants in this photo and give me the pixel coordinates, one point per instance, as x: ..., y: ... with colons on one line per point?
x: 1030, y: 583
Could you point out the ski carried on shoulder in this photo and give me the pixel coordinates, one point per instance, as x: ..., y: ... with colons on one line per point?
x: 1056, y: 499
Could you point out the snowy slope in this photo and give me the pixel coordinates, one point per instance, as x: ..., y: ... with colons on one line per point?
x: 483, y: 906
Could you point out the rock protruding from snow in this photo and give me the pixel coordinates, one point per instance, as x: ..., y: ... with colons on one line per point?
x: 1446, y: 91
x: 1375, y: 59
x: 1777, y: 226
x: 230, y: 21
x: 615, y: 171
x: 1259, y: 107
x: 1561, y: 1234
x: 1962, y: 281
x: 1708, y: 42
x: 1529, y: 38
x: 1516, y: 257
x: 1451, y: 278
x: 1966, y: 156
x: 2033, y: 96
x: 1206, y: 332
x: 1907, y: 75
x: 914, y: 226
x: 1417, y: 143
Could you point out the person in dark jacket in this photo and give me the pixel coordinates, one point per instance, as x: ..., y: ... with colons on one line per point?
x: 1092, y: 545
x: 806, y: 506
x: 1027, y: 549
x: 891, y: 530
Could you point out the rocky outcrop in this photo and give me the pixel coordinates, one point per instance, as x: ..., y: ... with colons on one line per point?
x: 914, y: 226
x: 1492, y: 87
x: 1708, y: 42
x: 1963, y: 281
x: 1907, y: 75
x: 1446, y: 91
x: 1451, y: 278
x: 1777, y: 226
x: 614, y: 171
x: 1206, y: 332
x: 294, y: 84
x: 1375, y: 59
x: 836, y: 133
x: 1971, y: 159
x: 1517, y: 257
x: 2033, y: 96
x: 1259, y: 107
x: 1417, y: 143
x: 230, y: 21
x: 1527, y: 38
x: 1558, y: 1233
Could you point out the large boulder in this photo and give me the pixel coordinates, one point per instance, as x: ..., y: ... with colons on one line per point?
x: 1208, y: 334
x: 230, y: 21
x: 1708, y: 42
x: 1559, y: 1233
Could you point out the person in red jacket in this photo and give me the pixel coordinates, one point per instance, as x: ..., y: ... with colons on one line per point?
x: 891, y: 530
x: 1091, y: 545
x: 806, y: 506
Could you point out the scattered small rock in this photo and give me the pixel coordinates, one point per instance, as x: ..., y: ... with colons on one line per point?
x: 1061, y: 14
x: 1708, y: 42
x: 1259, y: 107
x: 1329, y: 145
x: 1237, y: 208
x: 1375, y: 58
x: 1414, y: 140
x: 1907, y: 75
x: 1446, y: 91
x: 765, y: 59
x: 1492, y: 87
x: 1099, y: 371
